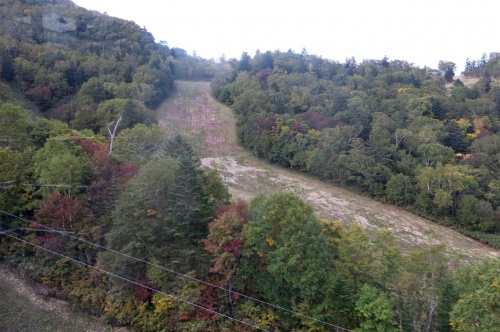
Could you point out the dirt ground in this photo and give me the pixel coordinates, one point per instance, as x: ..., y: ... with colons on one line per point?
x: 468, y: 81
x: 210, y: 127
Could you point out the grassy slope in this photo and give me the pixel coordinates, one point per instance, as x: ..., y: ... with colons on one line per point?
x: 210, y: 127
x: 22, y: 308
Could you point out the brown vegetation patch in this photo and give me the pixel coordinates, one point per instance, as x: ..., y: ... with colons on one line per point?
x: 194, y: 114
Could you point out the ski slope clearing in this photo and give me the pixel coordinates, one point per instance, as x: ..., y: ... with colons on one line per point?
x: 210, y: 127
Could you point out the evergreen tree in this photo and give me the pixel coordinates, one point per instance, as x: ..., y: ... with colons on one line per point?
x: 437, y: 108
x: 483, y: 61
x: 468, y: 65
x: 129, y: 116
x: 177, y: 147
x: 448, y: 69
x: 244, y: 64
x: 342, y: 301
x: 449, y: 73
x: 447, y: 297
x: 7, y: 66
x: 455, y: 138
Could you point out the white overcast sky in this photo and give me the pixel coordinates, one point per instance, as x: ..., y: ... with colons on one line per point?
x: 420, y: 32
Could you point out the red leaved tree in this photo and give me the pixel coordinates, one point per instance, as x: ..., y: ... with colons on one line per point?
x: 225, y: 240
x: 64, y: 214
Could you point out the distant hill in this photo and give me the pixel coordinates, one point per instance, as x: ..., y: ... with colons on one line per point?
x: 62, y: 58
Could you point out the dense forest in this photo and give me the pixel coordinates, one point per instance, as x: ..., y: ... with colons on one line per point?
x: 113, y: 214
x: 414, y: 137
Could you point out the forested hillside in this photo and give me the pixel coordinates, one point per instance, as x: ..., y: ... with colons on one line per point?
x: 81, y: 66
x: 414, y: 137
x: 115, y: 215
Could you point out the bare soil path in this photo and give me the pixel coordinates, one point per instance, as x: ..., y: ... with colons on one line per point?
x: 210, y: 127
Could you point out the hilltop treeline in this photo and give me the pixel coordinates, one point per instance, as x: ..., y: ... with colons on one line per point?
x: 486, y: 67
x: 410, y: 136
x: 79, y: 66
x: 69, y: 61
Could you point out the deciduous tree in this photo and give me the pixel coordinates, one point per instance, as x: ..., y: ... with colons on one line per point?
x: 477, y: 308
x: 286, y: 255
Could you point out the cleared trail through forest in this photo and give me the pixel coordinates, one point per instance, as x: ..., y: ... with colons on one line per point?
x: 210, y: 127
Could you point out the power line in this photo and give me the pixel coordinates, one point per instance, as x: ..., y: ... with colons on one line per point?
x: 136, y: 283
x: 9, y: 230
x: 52, y: 185
x: 124, y: 273
x: 74, y: 251
x: 54, y: 138
x: 338, y: 328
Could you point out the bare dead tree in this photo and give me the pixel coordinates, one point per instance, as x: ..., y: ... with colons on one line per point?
x: 112, y: 133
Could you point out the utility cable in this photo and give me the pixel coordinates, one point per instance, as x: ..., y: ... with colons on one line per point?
x: 339, y: 328
x: 136, y: 283
x: 52, y: 185
x: 73, y: 253
x: 76, y: 252
x: 54, y: 138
